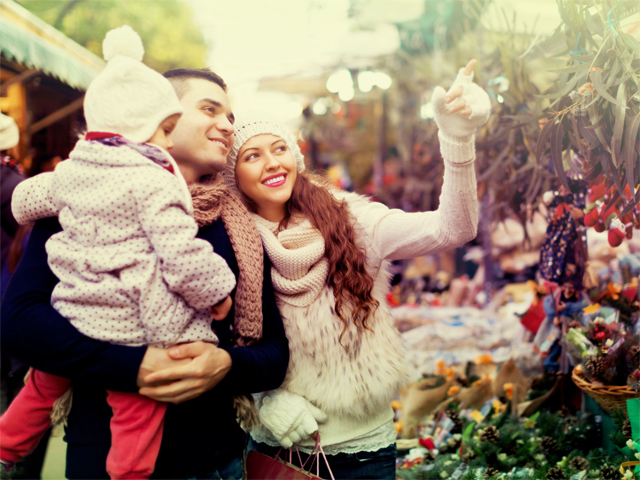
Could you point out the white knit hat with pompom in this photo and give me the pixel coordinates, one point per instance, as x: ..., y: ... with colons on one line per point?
x: 249, y: 125
x: 127, y: 97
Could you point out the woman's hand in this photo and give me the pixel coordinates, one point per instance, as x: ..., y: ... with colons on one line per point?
x: 464, y: 108
x: 196, y: 368
x: 290, y: 418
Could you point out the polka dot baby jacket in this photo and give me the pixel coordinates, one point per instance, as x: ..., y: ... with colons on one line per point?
x: 131, y: 269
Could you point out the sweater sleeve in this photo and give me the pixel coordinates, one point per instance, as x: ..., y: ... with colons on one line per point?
x: 263, y: 365
x: 396, y: 234
x: 189, y: 265
x: 35, y: 333
x: 32, y: 200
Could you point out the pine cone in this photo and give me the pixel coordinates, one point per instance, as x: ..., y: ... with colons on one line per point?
x: 510, y: 448
x: 609, y: 473
x: 579, y: 463
x: 490, y: 472
x: 556, y: 473
x: 490, y: 434
x: 548, y: 444
x: 429, y: 457
x: 626, y: 429
x: 455, y: 418
x: 564, y: 411
x: 595, y: 366
x: 468, y: 455
x: 633, y: 355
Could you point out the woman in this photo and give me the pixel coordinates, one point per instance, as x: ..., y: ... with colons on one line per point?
x: 329, y: 252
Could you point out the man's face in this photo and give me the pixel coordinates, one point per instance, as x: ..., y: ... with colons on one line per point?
x: 204, y: 135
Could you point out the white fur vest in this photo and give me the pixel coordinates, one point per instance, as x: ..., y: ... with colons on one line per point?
x: 361, y: 376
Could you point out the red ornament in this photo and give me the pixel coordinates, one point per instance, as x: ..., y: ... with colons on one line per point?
x: 615, y: 237
x: 591, y: 218
x: 426, y: 443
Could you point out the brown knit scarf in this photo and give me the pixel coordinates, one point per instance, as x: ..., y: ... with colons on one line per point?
x: 212, y: 200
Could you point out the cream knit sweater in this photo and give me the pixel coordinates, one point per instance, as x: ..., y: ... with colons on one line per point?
x: 354, y: 386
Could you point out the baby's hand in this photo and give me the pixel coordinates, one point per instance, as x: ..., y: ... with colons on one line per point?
x: 221, y: 310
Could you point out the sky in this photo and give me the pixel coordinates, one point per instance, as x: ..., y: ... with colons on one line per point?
x: 253, y: 39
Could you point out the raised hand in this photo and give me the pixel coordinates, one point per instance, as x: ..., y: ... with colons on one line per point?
x: 464, y: 108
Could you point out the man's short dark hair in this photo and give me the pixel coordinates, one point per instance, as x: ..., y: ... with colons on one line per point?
x: 179, y: 78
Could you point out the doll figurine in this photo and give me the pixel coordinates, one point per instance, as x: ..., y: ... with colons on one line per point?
x: 560, y: 308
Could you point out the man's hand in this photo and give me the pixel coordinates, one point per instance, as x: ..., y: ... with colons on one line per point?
x: 156, y: 360
x: 206, y: 365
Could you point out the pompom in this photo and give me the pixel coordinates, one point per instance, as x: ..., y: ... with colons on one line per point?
x: 547, y: 198
x: 617, y: 224
x: 122, y: 41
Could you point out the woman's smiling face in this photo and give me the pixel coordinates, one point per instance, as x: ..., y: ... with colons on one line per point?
x: 265, y: 173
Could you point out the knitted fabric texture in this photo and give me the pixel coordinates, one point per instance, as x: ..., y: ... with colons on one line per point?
x: 248, y: 126
x: 211, y: 201
x: 121, y: 212
x: 127, y: 97
x: 300, y: 267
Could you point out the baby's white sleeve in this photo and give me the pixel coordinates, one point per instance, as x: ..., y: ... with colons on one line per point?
x: 32, y: 199
x: 189, y: 265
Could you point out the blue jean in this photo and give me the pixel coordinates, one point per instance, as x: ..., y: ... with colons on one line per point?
x: 380, y: 464
x: 231, y: 471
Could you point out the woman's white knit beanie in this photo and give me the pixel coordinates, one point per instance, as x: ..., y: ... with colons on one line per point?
x: 127, y: 97
x: 248, y: 126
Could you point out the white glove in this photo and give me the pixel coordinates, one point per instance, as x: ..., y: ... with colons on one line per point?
x: 455, y: 125
x: 290, y: 417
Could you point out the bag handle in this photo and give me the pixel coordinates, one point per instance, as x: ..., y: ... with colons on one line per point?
x: 290, y: 454
x: 315, y: 453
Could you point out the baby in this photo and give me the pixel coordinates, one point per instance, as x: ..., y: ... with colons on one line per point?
x: 131, y: 269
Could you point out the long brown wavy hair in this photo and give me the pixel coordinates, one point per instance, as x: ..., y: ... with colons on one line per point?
x: 351, y: 282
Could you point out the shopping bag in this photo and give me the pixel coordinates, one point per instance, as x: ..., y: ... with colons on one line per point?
x: 263, y: 467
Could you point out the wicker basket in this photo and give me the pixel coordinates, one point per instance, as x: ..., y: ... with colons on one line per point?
x: 609, y: 397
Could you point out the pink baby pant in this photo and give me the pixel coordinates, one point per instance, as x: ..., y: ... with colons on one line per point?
x: 136, y: 425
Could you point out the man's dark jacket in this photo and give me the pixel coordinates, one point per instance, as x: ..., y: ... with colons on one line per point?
x: 199, y: 434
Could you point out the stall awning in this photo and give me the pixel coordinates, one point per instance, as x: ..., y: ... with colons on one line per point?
x: 31, y: 42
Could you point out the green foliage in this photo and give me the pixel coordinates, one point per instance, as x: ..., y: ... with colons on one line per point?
x: 171, y: 37
x: 519, y: 447
x: 596, y: 107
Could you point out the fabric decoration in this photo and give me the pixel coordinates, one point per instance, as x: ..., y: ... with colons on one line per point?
x: 212, y: 200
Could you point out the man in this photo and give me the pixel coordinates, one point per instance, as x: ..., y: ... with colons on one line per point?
x: 201, y: 436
